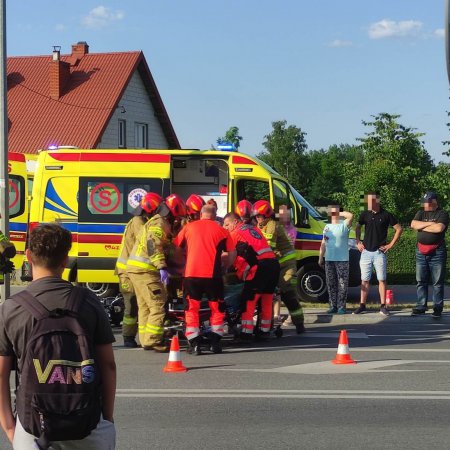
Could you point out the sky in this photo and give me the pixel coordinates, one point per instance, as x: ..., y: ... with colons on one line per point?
x: 322, y: 65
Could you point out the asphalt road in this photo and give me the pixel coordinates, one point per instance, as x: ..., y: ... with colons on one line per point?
x: 286, y: 393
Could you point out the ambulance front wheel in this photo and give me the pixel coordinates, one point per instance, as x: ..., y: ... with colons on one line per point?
x: 102, y: 290
x: 312, y: 283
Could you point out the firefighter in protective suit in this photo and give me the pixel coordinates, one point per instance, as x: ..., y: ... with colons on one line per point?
x: 277, y: 238
x: 258, y: 267
x: 146, y: 209
x: 244, y: 210
x: 147, y: 269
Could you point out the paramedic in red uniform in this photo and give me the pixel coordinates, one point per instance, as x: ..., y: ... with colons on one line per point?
x: 258, y: 267
x: 206, y: 242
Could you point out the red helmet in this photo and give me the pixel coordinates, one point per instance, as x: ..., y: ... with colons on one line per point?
x: 194, y: 204
x: 263, y: 208
x: 176, y: 205
x: 150, y: 202
x: 244, y: 209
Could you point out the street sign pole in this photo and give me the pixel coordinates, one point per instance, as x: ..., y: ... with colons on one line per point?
x: 447, y: 37
x: 4, y: 191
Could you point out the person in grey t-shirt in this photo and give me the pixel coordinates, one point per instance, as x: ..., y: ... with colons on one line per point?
x: 48, y: 252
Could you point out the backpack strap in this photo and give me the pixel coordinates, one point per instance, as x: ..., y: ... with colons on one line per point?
x: 31, y: 304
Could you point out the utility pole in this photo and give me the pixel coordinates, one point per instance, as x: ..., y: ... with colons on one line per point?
x: 4, y: 184
x: 447, y: 36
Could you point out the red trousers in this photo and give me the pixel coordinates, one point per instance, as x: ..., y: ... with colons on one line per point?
x: 265, y: 317
x: 192, y: 315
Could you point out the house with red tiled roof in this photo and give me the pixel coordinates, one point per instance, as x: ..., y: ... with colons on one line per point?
x: 87, y: 100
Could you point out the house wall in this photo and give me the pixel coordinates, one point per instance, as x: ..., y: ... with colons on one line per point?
x: 139, y: 109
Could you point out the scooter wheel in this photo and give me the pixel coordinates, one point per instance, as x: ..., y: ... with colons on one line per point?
x: 278, y: 333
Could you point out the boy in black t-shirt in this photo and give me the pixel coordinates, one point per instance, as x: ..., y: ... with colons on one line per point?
x: 373, y: 248
x: 431, y: 223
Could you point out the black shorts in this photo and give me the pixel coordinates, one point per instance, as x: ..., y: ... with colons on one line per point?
x: 198, y: 288
x: 265, y: 280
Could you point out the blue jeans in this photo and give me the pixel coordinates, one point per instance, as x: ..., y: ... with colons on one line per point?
x: 431, y: 268
x: 371, y: 260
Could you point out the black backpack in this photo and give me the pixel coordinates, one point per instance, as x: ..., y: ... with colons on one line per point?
x: 59, y: 395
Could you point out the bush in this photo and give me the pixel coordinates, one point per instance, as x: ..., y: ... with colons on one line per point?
x: 401, y: 266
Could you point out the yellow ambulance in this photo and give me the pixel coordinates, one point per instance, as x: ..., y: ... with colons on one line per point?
x: 18, y: 204
x: 93, y: 192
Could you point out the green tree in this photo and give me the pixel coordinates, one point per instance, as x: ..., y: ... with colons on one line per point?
x: 285, y: 150
x: 439, y: 181
x: 232, y: 135
x: 325, y: 177
x: 395, y: 163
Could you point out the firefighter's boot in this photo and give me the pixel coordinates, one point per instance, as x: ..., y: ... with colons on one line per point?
x: 129, y: 342
x: 215, y: 344
x: 194, y: 346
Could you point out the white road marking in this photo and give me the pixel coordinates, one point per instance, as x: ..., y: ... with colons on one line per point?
x: 328, y: 368
x: 283, y: 394
x: 312, y: 348
x: 335, y: 335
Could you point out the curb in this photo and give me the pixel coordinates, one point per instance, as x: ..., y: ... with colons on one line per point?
x: 372, y: 317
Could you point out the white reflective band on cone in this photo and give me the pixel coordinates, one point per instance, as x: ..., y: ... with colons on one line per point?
x: 174, y: 356
x: 343, y: 349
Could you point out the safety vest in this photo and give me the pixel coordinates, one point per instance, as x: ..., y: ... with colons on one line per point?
x: 148, y: 250
x: 276, y: 236
x: 253, y: 237
x: 132, y: 231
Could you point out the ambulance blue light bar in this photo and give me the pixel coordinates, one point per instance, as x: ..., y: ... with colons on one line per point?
x: 227, y: 146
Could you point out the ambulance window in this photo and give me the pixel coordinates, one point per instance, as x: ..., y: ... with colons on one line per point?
x: 252, y: 190
x: 283, y: 196
x: 16, y: 196
x: 114, y: 199
x: 105, y: 197
x: 280, y: 194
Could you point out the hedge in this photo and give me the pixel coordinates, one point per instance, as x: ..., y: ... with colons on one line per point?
x: 401, y: 266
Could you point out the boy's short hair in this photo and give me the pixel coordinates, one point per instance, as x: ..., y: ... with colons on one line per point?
x: 49, y: 244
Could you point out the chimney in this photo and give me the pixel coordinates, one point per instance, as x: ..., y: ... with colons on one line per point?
x: 80, y: 49
x: 59, y: 74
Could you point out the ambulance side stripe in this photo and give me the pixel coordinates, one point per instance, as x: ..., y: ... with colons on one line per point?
x: 53, y: 196
x: 14, y: 226
x: 49, y: 206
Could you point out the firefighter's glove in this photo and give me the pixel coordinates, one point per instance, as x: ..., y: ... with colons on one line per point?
x: 9, y: 266
x: 6, y: 266
x: 164, y: 276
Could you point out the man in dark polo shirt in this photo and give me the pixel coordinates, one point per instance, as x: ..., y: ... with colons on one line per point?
x: 373, y: 248
x: 431, y: 223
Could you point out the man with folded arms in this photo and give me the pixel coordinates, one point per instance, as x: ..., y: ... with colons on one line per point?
x: 431, y: 223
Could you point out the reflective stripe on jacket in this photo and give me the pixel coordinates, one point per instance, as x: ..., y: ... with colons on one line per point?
x: 132, y: 231
x: 276, y: 236
x: 253, y: 238
x: 148, y: 251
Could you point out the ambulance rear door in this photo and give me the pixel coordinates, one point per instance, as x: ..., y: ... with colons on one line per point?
x: 107, y: 197
x: 18, y: 206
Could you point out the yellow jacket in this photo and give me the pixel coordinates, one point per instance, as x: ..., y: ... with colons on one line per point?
x: 148, y: 250
x: 277, y: 238
x: 132, y: 231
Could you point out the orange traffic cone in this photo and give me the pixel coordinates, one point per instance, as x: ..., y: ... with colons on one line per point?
x: 343, y: 352
x: 174, y: 363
